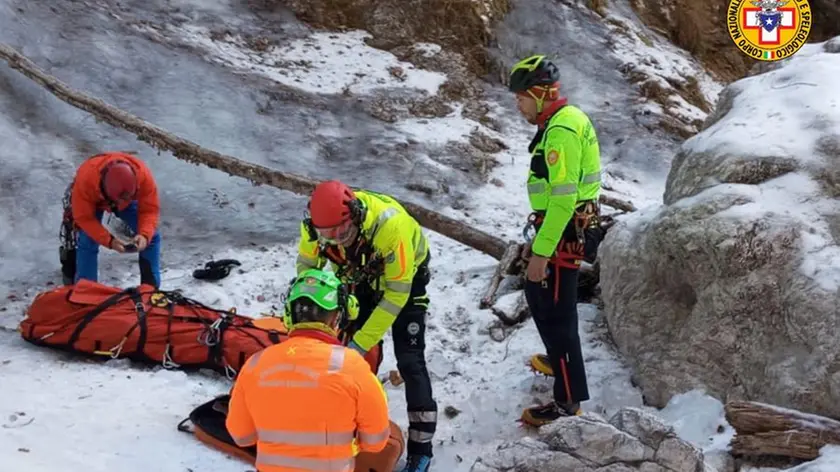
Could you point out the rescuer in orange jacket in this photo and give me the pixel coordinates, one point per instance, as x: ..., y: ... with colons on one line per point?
x: 122, y: 184
x: 339, y: 408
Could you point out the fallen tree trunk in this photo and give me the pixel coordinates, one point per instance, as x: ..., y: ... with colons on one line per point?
x: 616, y: 203
x: 797, y: 444
x: 763, y: 429
x: 191, y: 152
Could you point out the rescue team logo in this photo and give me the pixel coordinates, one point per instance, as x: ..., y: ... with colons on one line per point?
x: 554, y: 158
x: 769, y: 30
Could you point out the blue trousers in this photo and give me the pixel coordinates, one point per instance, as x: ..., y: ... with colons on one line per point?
x: 87, y: 252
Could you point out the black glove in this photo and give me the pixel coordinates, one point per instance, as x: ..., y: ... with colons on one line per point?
x: 216, y: 270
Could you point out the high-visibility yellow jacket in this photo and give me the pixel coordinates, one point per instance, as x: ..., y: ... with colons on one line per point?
x: 396, y: 237
x: 565, y: 172
x: 308, y: 403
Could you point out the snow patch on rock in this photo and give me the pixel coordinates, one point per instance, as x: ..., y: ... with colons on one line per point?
x: 323, y: 63
x: 733, y: 284
x: 677, y: 84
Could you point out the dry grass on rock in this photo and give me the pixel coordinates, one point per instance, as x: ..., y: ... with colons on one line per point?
x: 700, y: 28
x: 462, y: 26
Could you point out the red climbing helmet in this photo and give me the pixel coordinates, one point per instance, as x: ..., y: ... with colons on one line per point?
x: 330, y: 209
x: 119, y: 182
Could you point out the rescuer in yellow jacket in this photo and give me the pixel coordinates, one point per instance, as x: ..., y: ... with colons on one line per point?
x: 339, y: 407
x: 564, y: 182
x: 379, y: 249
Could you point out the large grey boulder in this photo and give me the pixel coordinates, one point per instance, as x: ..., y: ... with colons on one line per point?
x: 732, y: 284
x: 632, y: 441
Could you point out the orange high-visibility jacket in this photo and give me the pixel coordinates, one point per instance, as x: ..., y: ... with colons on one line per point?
x: 308, y: 404
x: 86, y: 197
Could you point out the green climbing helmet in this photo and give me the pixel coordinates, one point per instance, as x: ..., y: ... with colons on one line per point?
x: 532, y: 71
x: 325, y: 290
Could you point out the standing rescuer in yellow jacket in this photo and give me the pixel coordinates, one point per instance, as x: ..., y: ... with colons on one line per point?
x: 379, y: 249
x: 340, y: 407
x: 564, y: 182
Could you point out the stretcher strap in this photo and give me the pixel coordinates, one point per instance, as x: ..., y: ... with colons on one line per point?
x: 140, y: 311
x: 167, y: 361
x: 96, y: 311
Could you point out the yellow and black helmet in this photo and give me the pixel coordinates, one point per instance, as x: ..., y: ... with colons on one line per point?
x: 531, y: 72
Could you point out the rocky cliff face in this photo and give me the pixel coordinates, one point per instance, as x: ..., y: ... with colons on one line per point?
x: 733, y: 283
x: 700, y: 28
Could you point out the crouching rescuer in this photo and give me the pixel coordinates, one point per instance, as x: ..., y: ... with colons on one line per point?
x: 338, y: 408
x: 379, y: 249
x: 123, y: 185
x: 563, y: 189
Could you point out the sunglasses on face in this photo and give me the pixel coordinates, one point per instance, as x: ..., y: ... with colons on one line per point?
x: 335, y: 234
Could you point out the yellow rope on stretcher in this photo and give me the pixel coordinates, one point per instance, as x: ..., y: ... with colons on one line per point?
x: 115, y: 351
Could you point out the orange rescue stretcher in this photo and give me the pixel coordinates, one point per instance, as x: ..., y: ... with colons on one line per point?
x: 166, y: 328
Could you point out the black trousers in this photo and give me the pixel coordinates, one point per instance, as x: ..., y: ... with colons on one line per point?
x: 409, y: 335
x: 553, y: 305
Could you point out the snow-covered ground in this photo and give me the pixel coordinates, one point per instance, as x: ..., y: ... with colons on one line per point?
x: 60, y: 413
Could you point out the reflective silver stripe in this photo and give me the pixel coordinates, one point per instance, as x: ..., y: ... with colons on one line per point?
x: 536, y: 187
x: 383, y: 217
x: 386, y: 215
x: 591, y: 178
x: 301, y: 369
x: 389, y: 307
x: 288, y: 383
x: 373, y: 438
x: 402, y: 287
x: 336, y: 359
x: 421, y: 247
x: 422, y: 416
x: 566, y: 189
x: 300, y: 438
x: 302, y: 288
x: 306, y: 261
x: 420, y: 436
x: 244, y: 441
x: 306, y: 463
